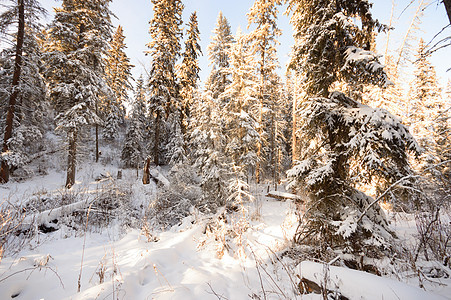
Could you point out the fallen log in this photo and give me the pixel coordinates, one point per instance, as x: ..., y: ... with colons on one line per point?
x: 284, y: 196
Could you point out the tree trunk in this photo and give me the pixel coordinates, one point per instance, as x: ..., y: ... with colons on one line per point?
x: 97, y: 136
x: 293, y: 137
x: 71, y: 158
x: 4, y: 170
x: 447, y: 4
x: 146, y: 175
x: 156, y: 149
x: 259, y: 144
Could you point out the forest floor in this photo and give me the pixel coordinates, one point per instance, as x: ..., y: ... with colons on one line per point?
x: 87, y: 255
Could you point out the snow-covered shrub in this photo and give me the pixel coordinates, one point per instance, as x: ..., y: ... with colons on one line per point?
x: 175, y: 202
x: 6, y: 225
x: 434, y: 235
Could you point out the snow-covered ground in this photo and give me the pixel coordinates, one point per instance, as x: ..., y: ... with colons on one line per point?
x: 180, y: 263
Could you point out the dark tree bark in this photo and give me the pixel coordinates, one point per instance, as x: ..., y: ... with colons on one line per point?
x: 447, y: 4
x: 71, y: 158
x: 146, y: 175
x: 5, y: 169
x: 97, y: 135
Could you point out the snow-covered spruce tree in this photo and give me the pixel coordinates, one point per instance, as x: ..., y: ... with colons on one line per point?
x: 262, y: 44
x: 390, y: 97
x: 345, y: 143
x: 31, y: 118
x: 164, y: 48
x: 424, y: 100
x: 218, y: 54
x: 428, y: 119
x: 240, y: 108
x: 78, y: 40
x: 189, y: 70
x: 207, y: 143
x: 133, y: 151
x: 118, y: 76
x: 23, y: 14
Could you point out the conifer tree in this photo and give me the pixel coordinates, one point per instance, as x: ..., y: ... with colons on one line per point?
x: 24, y: 13
x: 133, y: 151
x: 263, y: 42
x: 118, y: 76
x: 240, y: 107
x: 428, y: 119
x: 79, y: 37
x: 189, y: 70
x: 31, y: 116
x: 345, y: 143
x: 164, y: 48
x: 207, y: 140
x: 218, y: 54
x: 424, y: 99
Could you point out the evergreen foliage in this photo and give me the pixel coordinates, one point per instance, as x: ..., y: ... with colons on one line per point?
x: 31, y: 118
x: 429, y: 121
x: 189, y: 70
x: 240, y: 106
x: 133, y: 151
x: 79, y: 38
x: 207, y: 139
x: 262, y: 44
x: 344, y: 143
x: 24, y: 14
x: 164, y: 49
x: 219, y: 56
x: 118, y: 76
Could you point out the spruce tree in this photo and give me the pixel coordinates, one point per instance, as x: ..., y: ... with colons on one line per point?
x: 424, y: 99
x: 189, y: 70
x: 24, y: 13
x: 207, y: 141
x: 133, y: 151
x: 118, y: 76
x: 344, y: 143
x: 263, y: 42
x: 31, y: 118
x: 240, y: 107
x: 219, y: 56
x: 164, y: 48
x: 428, y: 119
x: 79, y: 37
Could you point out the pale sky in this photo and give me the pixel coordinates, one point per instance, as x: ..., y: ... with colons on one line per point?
x: 134, y: 16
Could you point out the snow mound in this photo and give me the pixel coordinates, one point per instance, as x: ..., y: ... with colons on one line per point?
x: 361, y: 285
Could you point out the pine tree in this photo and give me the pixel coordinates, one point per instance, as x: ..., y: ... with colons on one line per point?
x: 164, y: 49
x: 345, y: 143
x: 189, y: 70
x: 118, y: 76
x: 263, y: 42
x: 79, y: 37
x: 24, y: 13
x: 218, y: 54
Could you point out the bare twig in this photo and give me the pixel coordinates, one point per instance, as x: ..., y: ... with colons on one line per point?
x: 220, y: 297
x: 259, y: 275
x: 83, y: 251
x: 383, y: 194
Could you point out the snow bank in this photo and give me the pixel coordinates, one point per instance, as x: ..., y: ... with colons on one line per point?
x: 361, y: 285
